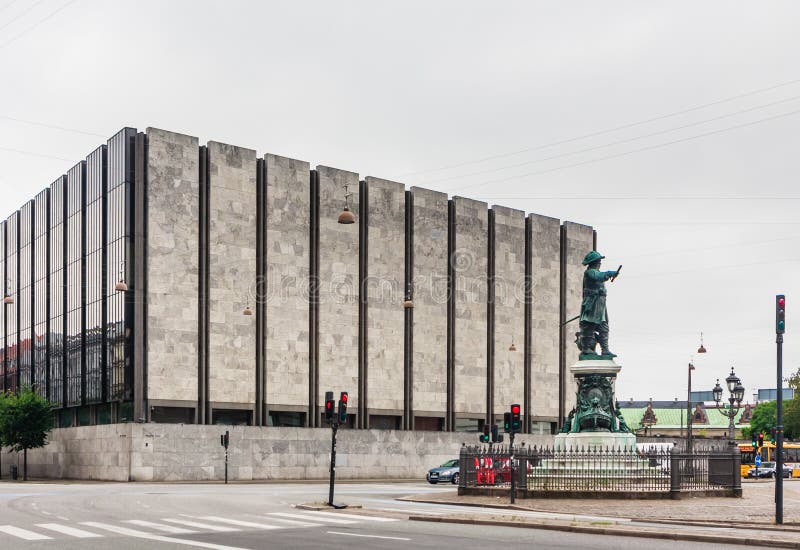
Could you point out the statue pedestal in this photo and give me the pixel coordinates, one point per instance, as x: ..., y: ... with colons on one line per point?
x: 595, y: 441
x: 594, y: 424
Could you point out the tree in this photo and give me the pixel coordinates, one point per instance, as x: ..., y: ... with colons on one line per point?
x: 765, y: 418
x: 26, y: 419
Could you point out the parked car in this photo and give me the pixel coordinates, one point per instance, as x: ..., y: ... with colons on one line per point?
x: 449, y: 471
x: 767, y: 469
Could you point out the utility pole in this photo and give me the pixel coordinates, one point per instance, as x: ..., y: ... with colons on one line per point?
x: 780, y: 328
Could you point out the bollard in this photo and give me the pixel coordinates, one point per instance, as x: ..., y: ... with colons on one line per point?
x: 674, y: 475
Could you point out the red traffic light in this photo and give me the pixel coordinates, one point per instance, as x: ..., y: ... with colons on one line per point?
x: 344, y: 397
x: 781, y: 301
x: 328, y: 404
x: 515, y: 409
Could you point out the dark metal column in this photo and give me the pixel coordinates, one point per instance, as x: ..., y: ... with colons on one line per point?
x: 363, y: 332
x: 527, y: 348
x: 408, y: 341
x: 313, y: 300
x: 139, y: 293
x: 450, y: 418
x: 203, y: 411
x: 490, y: 311
x: 562, y: 331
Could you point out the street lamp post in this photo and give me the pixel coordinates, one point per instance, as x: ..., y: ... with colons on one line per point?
x: 689, y: 412
x: 736, y: 391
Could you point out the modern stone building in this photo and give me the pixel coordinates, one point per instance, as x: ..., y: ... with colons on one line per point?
x: 128, y: 283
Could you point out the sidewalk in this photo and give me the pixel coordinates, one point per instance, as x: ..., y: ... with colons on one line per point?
x: 748, y: 520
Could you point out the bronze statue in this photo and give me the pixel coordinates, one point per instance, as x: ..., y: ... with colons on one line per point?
x: 594, y: 317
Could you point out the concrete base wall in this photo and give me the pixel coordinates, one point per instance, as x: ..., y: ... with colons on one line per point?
x: 175, y: 452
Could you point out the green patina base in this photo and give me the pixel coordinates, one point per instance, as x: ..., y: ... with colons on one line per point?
x: 594, y: 356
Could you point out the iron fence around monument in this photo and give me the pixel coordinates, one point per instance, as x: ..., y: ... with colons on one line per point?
x: 654, y: 472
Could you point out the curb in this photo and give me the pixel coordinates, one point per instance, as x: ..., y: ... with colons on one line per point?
x: 589, y: 530
x: 790, y: 526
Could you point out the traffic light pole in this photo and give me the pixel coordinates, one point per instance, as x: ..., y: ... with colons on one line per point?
x: 334, y: 427
x: 511, y: 466
x: 779, y: 437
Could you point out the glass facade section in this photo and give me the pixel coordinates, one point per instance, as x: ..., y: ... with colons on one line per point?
x: 25, y: 349
x: 76, y: 179
x: 95, y: 274
x: 12, y: 310
x: 119, y: 232
x: 3, y: 313
x: 55, y: 340
x: 68, y: 331
x: 40, y: 291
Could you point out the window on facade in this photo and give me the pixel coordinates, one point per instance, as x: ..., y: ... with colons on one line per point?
x: 292, y: 419
x: 172, y: 415
x: 232, y: 417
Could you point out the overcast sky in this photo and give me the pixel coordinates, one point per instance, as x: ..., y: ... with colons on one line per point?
x: 671, y: 127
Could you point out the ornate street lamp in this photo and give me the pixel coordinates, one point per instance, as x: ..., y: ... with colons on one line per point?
x: 121, y: 286
x: 736, y: 390
x: 8, y: 299
x: 346, y: 217
x: 702, y: 348
x: 408, y: 303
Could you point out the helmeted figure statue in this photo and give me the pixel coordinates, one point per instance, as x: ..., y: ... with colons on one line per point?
x: 594, y: 317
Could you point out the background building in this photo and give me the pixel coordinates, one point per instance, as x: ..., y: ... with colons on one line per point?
x: 199, y: 234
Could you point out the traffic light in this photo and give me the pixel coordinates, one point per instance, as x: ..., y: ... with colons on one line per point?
x: 343, y: 407
x: 755, y: 441
x: 760, y: 440
x: 780, y: 314
x: 484, y: 438
x: 516, y: 422
x: 330, y: 406
x: 225, y: 439
x: 773, y: 432
x: 496, y: 437
x: 507, y: 422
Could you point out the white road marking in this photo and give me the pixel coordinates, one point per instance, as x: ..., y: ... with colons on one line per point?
x: 62, y: 518
x: 71, y: 531
x: 295, y: 522
x: 365, y: 536
x: 161, y: 527
x: 355, y: 517
x: 199, y: 525
x: 22, y: 533
x: 240, y: 523
x: 306, y: 516
x: 46, y: 513
x: 159, y: 538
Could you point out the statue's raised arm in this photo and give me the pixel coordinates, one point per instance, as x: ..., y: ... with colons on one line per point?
x: 594, y: 315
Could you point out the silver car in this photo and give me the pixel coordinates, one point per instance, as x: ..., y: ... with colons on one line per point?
x: 449, y: 471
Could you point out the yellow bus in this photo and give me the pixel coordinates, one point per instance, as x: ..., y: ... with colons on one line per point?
x: 791, y: 456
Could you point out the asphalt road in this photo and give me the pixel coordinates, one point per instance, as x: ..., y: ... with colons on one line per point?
x: 253, y: 516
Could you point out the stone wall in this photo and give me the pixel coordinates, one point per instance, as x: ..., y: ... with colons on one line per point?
x: 232, y: 273
x: 173, y: 452
x: 384, y: 287
x: 430, y: 303
x: 287, y: 254
x: 338, y: 290
x: 173, y: 211
x: 546, y: 272
x: 509, y: 308
x: 470, y: 301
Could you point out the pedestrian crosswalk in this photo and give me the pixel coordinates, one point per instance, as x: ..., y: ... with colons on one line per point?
x: 171, y: 528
